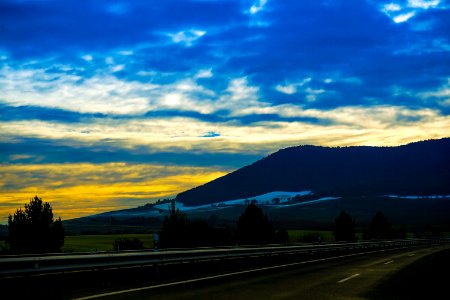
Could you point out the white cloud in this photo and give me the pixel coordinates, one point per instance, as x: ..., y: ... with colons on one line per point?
x: 391, y: 7
x: 117, y: 68
x: 424, y: 4
x: 126, y: 52
x: 87, y: 57
x: 241, y: 92
x: 402, y: 13
x: 207, y: 73
x: 104, y: 93
x: 442, y: 93
x: 287, y: 89
x: 187, y: 37
x: 312, y: 94
x: 404, y: 17
x: 257, y: 6
x: 98, y: 94
x: 291, y: 88
x: 383, y: 125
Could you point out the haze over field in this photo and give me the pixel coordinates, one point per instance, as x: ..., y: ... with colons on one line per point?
x: 108, y: 105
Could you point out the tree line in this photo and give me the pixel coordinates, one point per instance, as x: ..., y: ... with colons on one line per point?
x: 34, y: 230
x: 379, y: 228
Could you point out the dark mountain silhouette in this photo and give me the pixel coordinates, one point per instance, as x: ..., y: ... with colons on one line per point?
x: 421, y: 168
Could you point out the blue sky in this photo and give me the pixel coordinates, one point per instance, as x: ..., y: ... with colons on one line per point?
x: 203, y: 87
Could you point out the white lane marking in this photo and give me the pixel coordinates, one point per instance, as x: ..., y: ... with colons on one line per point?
x: 348, y: 278
x: 412, y: 254
x: 229, y: 274
x: 389, y: 262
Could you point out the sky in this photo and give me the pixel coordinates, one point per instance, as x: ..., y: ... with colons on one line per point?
x: 108, y: 104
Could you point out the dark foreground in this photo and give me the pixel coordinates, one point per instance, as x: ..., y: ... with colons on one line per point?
x: 427, y: 278
x: 399, y: 274
x: 404, y: 273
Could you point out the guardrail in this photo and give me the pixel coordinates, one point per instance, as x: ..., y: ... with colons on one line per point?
x: 27, y: 265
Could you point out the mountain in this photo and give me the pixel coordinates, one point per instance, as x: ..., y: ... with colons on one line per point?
x: 420, y: 168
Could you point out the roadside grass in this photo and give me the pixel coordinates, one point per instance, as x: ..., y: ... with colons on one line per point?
x: 299, y: 235
x: 311, y: 236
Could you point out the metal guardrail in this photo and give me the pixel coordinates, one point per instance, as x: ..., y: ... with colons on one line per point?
x: 27, y: 265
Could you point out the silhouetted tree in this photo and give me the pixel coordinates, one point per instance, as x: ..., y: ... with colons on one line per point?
x: 344, y: 228
x: 253, y: 226
x: 173, y: 232
x: 33, y: 230
x: 379, y: 227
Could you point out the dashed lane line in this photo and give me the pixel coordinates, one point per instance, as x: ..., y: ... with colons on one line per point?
x: 348, y: 278
x: 233, y: 274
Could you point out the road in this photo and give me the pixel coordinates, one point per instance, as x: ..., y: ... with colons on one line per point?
x: 349, y: 277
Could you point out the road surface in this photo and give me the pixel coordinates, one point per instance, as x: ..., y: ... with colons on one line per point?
x: 350, y: 277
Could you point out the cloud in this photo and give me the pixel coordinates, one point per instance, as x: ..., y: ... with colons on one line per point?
x: 207, y: 73
x: 402, y: 13
x: 257, y: 6
x: 187, y: 37
x: 391, y: 7
x: 87, y: 57
x: 403, y: 17
x: 98, y: 94
x: 287, y: 89
x: 291, y: 88
x: 424, y: 4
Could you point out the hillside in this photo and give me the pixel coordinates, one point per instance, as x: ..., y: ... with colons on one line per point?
x: 421, y: 168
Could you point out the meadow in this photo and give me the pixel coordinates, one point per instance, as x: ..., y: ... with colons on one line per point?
x: 103, y: 242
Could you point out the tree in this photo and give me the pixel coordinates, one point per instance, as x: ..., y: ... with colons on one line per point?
x: 173, y: 232
x: 253, y: 226
x: 345, y: 228
x: 33, y: 230
x: 379, y: 227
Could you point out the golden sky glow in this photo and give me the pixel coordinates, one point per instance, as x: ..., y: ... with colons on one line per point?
x: 76, y: 190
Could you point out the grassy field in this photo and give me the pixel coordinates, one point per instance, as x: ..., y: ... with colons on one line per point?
x: 89, y: 243
x: 298, y: 235
x: 104, y: 242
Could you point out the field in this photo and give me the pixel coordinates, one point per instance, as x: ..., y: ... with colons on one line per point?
x: 104, y: 242
x: 298, y: 235
x: 92, y: 243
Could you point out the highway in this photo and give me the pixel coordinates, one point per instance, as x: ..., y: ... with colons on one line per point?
x: 351, y: 276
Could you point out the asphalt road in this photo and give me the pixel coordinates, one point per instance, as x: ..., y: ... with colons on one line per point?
x: 352, y: 277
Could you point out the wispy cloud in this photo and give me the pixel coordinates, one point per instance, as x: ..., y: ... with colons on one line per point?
x: 257, y: 6
x: 402, y: 12
x: 403, y: 17
x: 187, y: 37
x: 425, y: 4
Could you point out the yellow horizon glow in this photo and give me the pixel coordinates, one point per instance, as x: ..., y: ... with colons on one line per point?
x: 76, y: 190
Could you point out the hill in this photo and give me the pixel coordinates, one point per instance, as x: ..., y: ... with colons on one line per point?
x: 421, y: 168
